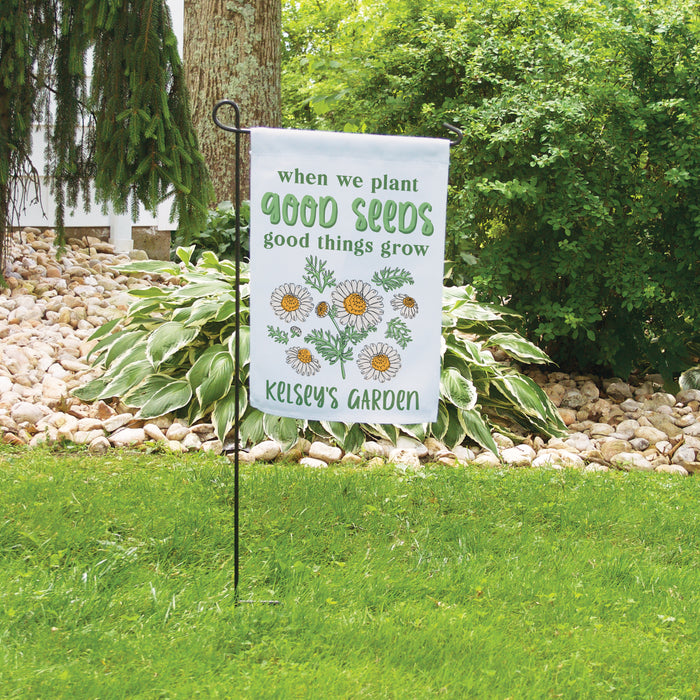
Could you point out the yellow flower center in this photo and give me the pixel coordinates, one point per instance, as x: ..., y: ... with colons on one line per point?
x: 380, y: 362
x: 304, y: 356
x: 321, y: 309
x: 355, y: 304
x: 290, y: 302
x: 409, y: 302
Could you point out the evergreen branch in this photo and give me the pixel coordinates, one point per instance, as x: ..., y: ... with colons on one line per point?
x: 45, y: 85
x: 391, y: 278
x: 397, y: 330
x: 317, y: 276
x: 278, y: 335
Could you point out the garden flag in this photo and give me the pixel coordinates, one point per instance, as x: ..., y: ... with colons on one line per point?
x: 347, y: 249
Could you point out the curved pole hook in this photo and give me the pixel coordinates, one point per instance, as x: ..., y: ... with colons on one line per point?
x: 236, y: 128
x: 454, y: 130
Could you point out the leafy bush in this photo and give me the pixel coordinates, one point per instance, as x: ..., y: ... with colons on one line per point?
x: 575, y: 192
x: 219, y: 234
x: 173, y: 353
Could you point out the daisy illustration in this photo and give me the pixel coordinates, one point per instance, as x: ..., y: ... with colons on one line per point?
x: 302, y: 361
x: 405, y: 305
x: 291, y: 302
x: 357, y: 304
x: 379, y: 361
x: 322, y: 309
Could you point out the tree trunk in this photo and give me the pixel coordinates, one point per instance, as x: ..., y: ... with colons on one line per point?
x: 232, y: 51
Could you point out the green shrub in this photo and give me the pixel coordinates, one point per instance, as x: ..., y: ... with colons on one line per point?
x: 219, y: 234
x: 173, y: 353
x: 575, y: 194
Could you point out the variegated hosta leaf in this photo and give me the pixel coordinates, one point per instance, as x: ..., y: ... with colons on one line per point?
x: 210, y: 260
x: 252, y: 430
x: 185, y: 253
x: 349, y: 437
x: 518, y: 347
x: 690, y: 379
x: 199, y: 370
x: 354, y: 439
x: 132, y: 355
x: 439, y: 427
x: 91, y: 390
x: 148, y: 292
x: 218, y: 381
x: 172, y: 396
x: 130, y: 376
x: 316, y: 427
x: 123, y: 343
x: 143, y: 310
x: 469, y: 350
x: 227, y: 267
x: 140, y: 394
x: 167, y: 339
x: 456, y: 428
x: 244, y: 345
x: 227, y: 308
x: 224, y: 413
x: 211, y: 287
x: 454, y: 295
x: 149, y: 267
x: 336, y: 429
x: 471, y: 311
x: 104, y: 330
x: 524, y: 393
x: 202, y: 311
x: 478, y: 430
x: 383, y: 431
x: 458, y: 390
x: 284, y: 430
x: 419, y: 431
x: 101, y: 348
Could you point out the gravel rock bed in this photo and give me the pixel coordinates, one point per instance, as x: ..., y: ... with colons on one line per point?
x: 51, y: 307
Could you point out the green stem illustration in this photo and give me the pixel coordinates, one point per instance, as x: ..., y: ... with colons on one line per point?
x: 343, y: 339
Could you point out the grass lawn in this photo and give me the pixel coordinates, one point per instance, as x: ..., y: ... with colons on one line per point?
x: 116, y: 581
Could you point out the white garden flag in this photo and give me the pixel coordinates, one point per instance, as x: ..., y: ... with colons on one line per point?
x: 347, y: 245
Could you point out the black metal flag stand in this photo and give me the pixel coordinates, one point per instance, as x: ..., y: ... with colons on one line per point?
x: 237, y: 130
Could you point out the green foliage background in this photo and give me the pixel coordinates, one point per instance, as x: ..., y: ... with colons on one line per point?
x: 575, y: 193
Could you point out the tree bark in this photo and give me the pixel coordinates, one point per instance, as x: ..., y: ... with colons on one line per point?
x: 232, y: 51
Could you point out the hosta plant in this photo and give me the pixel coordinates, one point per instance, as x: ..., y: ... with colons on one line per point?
x: 173, y: 353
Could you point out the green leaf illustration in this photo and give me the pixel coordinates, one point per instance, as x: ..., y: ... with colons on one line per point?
x: 278, y: 335
x: 317, y: 276
x: 332, y: 348
x: 352, y: 335
x: 390, y: 278
x: 397, y: 330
